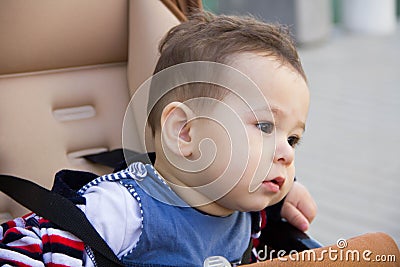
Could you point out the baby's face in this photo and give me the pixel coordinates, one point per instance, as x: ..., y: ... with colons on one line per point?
x: 255, y: 143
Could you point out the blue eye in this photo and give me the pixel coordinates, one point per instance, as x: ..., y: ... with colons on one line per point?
x: 266, y: 127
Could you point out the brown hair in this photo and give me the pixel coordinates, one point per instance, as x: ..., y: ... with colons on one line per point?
x: 216, y: 38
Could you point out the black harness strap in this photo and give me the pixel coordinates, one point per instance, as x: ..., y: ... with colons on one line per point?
x: 119, y: 159
x: 113, y: 158
x: 61, y: 212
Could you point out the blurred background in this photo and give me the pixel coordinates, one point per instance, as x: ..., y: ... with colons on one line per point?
x: 349, y: 158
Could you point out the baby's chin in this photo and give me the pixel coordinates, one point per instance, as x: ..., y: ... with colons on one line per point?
x: 260, y: 206
x: 257, y: 206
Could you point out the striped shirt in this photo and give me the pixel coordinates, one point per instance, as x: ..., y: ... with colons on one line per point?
x: 33, y: 241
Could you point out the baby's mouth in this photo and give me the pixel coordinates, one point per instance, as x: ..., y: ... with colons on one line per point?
x: 275, y: 184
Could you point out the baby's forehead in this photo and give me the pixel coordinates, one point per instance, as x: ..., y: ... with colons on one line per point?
x: 256, y: 82
x: 247, y: 104
x: 260, y: 64
x: 232, y: 104
x: 244, y: 61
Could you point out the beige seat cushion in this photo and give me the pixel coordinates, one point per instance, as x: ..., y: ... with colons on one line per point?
x: 67, y: 71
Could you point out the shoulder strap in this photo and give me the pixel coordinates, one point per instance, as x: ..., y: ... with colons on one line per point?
x: 119, y: 159
x: 49, y: 204
x: 114, y: 158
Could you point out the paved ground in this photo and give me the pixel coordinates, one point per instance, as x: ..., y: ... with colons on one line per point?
x: 350, y: 158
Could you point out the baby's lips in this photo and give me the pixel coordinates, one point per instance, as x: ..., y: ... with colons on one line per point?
x: 275, y: 184
x: 279, y: 181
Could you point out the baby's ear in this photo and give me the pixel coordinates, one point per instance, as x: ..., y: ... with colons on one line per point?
x: 175, y: 128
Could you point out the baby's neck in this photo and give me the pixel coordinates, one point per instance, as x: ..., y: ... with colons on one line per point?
x: 215, y: 209
x: 191, y: 196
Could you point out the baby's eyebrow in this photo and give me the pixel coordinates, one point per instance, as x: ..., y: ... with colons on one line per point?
x: 301, y: 125
x: 279, y: 113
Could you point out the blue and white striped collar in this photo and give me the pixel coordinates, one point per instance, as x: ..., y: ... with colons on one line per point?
x: 147, y: 178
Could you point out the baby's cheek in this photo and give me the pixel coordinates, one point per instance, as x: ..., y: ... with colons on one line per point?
x: 284, y: 191
x: 288, y: 186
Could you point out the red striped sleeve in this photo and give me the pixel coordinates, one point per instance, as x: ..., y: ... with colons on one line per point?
x: 29, y: 248
x: 35, y: 241
x: 78, y: 245
x: 17, y: 263
x: 56, y: 265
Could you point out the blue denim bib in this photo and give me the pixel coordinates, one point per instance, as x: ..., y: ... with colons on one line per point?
x: 174, y: 234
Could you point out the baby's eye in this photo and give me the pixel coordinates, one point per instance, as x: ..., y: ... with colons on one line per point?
x: 266, y: 127
x: 293, y: 141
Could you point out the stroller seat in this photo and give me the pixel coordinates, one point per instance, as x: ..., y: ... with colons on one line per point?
x: 66, y: 75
